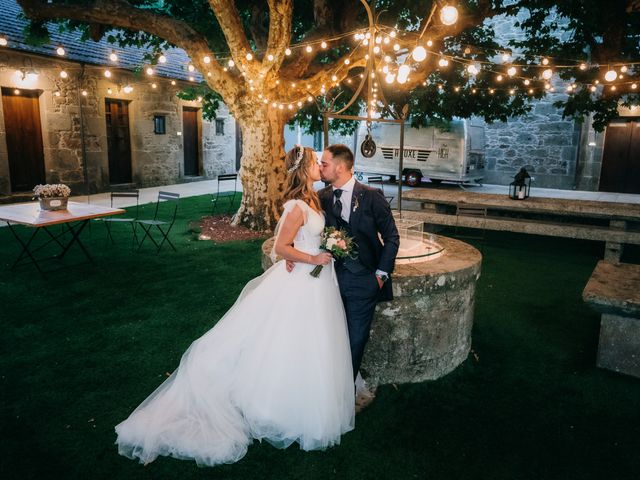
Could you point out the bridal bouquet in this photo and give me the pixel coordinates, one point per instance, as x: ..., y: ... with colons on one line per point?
x: 337, y: 243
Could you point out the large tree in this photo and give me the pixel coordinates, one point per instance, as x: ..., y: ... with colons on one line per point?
x: 254, y: 57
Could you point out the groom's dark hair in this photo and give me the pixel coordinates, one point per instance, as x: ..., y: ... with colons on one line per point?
x: 342, y: 153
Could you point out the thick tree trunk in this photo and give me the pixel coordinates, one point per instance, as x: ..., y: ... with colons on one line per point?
x: 262, y: 169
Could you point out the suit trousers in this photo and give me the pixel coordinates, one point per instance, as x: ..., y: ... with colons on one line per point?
x: 360, y: 294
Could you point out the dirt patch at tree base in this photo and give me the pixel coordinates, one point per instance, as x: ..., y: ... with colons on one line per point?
x: 218, y: 229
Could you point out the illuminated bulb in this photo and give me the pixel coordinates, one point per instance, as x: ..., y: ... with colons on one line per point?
x: 323, y: 45
x: 207, y: 59
x: 597, y: 82
x: 547, y: 86
x: 545, y: 61
x: 270, y: 57
x: 499, y: 78
x: 376, y: 49
x: 334, y: 78
x: 449, y: 15
x: 299, y: 104
x: 613, y: 87
x: 526, y: 82
x: 610, y: 76
x: 149, y: 71
x: 473, y: 69
x: 593, y: 88
x: 290, y: 107
x: 63, y: 74
x: 623, y: 68
x: 109, y: 91
x: 107, y: 73
x: 309, y: 98
x: 386, y: 40
x: 443, y: 62
x: 506, y: 57
x: 309, y: 49
x: 199, y: 99
x: 249, y: 56
x: 512, y: 91
x: 191, y: 68
x: 347, y: 61
x: 287, y: 52
x: 128, y: 89
x: 153, y: 85
x: 231, y: 63
x: 192, y: 79
x: 419, y: 53
x: 385, y: 69
x: 173, y: 82
x: 491, y: 91
x: 429, y: 43
x: 113, y: 57
x: 274, y: 104
x: 392, y: 34
x: 209, y: 74
x: 365, y: 42
x: 378, y: 40
x: 634, y: 86
x: 366, y: 57
x: 473, y: 90
x: 367, y: 35
x: 396, y: 47
x: 60, y: 51
x: 547, y: 74
x: 84, y: 93
x: 16, y: 92
x: 390, y: 78
x: 281, y: 107
x: 531, y: 90
x: 583, y: 66
x: 457, y: 89
x: 620, y: 76
x: 57, y: 94
x: 404, y: 71
x: 512, y: 71
x: 3, y: 42
x: 163, y: 59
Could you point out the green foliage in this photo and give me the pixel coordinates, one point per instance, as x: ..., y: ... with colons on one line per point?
x: 210, y: 99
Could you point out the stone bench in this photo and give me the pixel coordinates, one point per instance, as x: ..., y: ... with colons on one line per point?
x: 614, y: 291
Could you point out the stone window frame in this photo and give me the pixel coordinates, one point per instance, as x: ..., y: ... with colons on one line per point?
x: 219, y: 126
x: 160, y: 124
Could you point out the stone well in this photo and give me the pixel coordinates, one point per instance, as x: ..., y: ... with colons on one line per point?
x: 425, y: 332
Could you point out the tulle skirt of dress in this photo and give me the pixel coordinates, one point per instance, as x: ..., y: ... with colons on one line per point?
x: 276, y: 367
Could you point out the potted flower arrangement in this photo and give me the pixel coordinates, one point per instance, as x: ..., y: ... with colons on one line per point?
x: 52, y: 197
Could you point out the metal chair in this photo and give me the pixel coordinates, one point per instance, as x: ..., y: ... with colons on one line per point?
x: 376, y: 181
x: 108, y: 221
x: 231, y: 198
x: 163, y: 226
x: 474, y: 211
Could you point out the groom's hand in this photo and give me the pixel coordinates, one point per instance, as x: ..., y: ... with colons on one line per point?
x: 380, y: 282
x: 290, y: 266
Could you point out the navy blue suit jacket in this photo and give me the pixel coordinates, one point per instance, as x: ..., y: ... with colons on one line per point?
x: 370, y: 216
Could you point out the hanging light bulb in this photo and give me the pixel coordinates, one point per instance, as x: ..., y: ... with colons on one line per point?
x: 107, y: 73
x: 347, y: 61
x: 113, y: 57
x: 57, y: 94
x: 109, y: 90
x: 323, y: 44
x: 526, y: 82
x: 457, y: 89
x: 593, y: 88
x: 163, y: 59
x: 60, y: 51
x: 16, y: 92
x: 511, y: 71
x: 506, y: 56
x: 63, y: 74
x: 419, y: 53
x: 547, y: 74
x: 309, y: 49
x: 3, y: 42
x: 583, y: 66
x: 512, y: 91
x: 634, y: 86
x: 287, y: 52
x: 545, y: 61
x: 173, y: 83
x: 376, y: 49
x: 84, y: 93
x: 610, y: 76
x: 191, y: 68
x: 154, y: 86
x: 396, y: 47
x: 547, y: 86
x: 499, y: 78
x: 270, y: 57
x: 404, y: 71
x: 128, y: 89
x: 443, y: 62
x: 623, y: 68
x: 390, y: 78
x: 149, y: 71
x: 231, y: 63
x: 334, y: 78
x: 473, y: 69
x: 429, y: 43
x: 207, y: 59
x: 249, y: 56
x: 192, y: 79
x: 449, y: 15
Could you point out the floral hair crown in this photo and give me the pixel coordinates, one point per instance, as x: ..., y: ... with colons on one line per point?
x: 299, y: 157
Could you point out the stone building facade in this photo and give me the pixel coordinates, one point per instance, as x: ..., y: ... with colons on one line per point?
x: 73, y: 114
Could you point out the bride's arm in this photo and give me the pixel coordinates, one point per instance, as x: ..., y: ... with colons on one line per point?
x: 284, y: 242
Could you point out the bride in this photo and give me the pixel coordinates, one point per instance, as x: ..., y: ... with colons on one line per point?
x: 276, y: 367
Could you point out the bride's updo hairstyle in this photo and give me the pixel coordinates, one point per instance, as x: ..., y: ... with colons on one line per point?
x: 297, y: 162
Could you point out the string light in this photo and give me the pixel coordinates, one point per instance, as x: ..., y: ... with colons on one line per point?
x: 60, y: 51
x: 150, y: 71
x: 419, y: 53
x: 323, y: 44
x: 128, y: 89
x: 3, y: 42
x: 429, y: 43
x: 173, y: 83
x: 191, y: 68
x: 84, y: 93
x: 309, y: 49
x: 249, y: 56
x: 623, y: 68
x: 511, y: 71
x: 473, y: 69
x: 153, y: 85
x: 270, y: 57
x: 113, y: 57
x: 107, y: 73
x: 506, y: 57
x: 207, y: 59
x: 287, y: 52
x: 610, y: 76
x: 545, y: 61
x: 396, y: 47
x: 57, y: 94
x: 443, y: 62
x: 162, y: 59
x: 449, y: 15
x: 64, y: 74
x: 634, y: 86
x: 109, y: 91
x: 547, y: 74
x: 499, y: 78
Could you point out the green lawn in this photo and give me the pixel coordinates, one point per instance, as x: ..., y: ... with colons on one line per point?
x: 84, y: 345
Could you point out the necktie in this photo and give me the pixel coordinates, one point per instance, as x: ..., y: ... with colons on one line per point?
x: 337, y: 205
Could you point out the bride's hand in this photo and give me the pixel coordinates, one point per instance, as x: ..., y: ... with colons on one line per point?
x: 321, y: 259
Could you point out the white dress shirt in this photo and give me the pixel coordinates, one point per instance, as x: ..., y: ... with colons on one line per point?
x: 345, y: 198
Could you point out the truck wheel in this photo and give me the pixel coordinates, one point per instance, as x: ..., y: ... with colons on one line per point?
x: 413, y: 179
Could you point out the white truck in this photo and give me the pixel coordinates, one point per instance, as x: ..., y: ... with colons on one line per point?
x: 454, y: 155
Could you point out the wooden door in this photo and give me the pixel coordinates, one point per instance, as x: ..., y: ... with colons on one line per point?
x: 190, y: 140
x: 118, y: 141
x: 621, y: 158
x: 24, y: 138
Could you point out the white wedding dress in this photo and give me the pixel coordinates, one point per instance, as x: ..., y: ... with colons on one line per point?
x: 276, y: 367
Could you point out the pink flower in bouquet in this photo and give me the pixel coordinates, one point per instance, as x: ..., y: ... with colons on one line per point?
x: 341, y: 244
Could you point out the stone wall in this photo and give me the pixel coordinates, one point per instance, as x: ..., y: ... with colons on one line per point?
x: 156, y: 159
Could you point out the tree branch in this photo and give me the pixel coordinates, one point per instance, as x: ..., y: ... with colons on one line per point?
x: 233, y: 31
x: 121, y: 14
x: 280, y: 15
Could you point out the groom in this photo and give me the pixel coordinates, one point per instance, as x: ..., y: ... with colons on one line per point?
x: 365, y: 214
